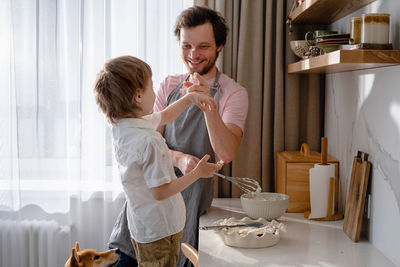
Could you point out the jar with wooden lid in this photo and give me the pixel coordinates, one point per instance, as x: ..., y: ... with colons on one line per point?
x: 375, y: 28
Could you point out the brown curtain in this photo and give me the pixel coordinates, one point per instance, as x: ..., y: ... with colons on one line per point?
x: 285, y: 110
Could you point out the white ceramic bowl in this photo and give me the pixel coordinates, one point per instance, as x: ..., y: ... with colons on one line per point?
x: 299, y: 47
x: 266, y: 205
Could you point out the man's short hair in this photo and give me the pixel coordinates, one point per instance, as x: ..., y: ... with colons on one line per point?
x: 116, y: 85
x: 198, y: 15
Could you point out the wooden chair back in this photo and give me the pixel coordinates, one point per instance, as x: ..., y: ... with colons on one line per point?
x: 190, y: 253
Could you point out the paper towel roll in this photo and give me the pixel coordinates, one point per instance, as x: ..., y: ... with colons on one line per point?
x: 319, y: 189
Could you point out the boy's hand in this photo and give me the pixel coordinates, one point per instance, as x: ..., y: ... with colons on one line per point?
x: 204, y: 102
x: 206, y: 169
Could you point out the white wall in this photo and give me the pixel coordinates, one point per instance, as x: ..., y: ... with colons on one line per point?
x: 363, y: 113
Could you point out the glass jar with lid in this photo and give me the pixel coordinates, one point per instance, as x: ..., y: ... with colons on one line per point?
x: 375, y: 28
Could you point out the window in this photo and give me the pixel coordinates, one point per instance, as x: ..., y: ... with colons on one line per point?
x: 54, y: 141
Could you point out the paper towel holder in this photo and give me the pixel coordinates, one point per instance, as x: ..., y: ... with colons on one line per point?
x: 333, y: 186
x: 329, y: 217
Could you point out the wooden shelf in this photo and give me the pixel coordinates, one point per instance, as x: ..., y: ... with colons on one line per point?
x: 346, y: 60
x: 325, y: 11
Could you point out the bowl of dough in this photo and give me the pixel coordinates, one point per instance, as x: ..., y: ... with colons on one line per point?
x: 250, y: 237
x: 266, y: 205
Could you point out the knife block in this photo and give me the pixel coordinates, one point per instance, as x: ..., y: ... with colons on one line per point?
x: 292, y: 176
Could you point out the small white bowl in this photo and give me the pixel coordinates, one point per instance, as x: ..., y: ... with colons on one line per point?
x: 299, y: 47
x: 266, y: 205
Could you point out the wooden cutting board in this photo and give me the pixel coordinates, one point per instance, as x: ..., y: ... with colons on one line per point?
x: 356, y: 196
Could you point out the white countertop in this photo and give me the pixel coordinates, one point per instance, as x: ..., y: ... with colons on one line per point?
x: 306, y: 243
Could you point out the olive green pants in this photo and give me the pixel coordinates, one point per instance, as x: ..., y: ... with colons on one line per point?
x: 160, y: 253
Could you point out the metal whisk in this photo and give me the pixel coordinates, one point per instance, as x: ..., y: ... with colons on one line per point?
x: 248, y: 185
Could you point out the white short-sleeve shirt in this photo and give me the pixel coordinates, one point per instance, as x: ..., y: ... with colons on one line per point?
x: 144, y: 162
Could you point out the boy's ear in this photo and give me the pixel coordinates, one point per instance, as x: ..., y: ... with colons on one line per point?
x: 138, y: 97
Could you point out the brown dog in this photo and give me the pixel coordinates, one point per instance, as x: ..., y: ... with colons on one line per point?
x: 92, y: 258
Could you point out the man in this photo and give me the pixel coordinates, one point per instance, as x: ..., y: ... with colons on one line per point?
x: 202, y: 34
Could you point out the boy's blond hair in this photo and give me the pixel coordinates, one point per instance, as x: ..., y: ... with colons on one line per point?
x: 116, y: 85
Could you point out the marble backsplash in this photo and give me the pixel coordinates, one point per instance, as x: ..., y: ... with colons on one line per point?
x: 363, y: 113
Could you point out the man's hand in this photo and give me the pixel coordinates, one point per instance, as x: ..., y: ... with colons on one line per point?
x: 185, y: 162
x: 201, y: 86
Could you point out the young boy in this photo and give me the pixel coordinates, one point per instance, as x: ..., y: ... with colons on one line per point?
x: 156, y: 210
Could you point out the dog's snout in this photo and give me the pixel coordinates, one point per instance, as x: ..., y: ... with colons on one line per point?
x: 117, y: 251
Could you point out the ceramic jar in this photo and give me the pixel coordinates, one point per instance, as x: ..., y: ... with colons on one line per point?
x: 375, y: 28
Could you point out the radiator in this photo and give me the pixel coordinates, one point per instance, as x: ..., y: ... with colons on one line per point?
x: 34, y: 243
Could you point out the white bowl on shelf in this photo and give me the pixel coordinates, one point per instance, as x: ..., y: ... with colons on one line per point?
x: 299, y: 47
x: 266, y: 205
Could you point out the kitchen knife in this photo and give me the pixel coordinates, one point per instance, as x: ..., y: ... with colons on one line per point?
x: 216, y: 227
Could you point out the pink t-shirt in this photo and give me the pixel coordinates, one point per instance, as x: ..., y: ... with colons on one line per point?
x: 233, y: 99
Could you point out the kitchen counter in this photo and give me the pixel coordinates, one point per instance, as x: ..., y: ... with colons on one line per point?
x: 306, y: 243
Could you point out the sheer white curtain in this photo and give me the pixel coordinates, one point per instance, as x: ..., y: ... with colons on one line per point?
x: 54, y: 143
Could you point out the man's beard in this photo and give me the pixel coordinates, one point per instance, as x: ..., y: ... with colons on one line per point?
x: 207, y: 68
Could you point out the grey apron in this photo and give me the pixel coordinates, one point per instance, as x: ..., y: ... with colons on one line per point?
x: 188, y: 134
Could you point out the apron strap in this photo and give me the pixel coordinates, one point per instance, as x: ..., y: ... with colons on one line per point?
x: 177, y: 88
x: 214, y: 90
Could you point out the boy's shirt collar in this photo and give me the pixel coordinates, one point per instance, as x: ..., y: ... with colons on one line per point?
x: 150, y: 121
